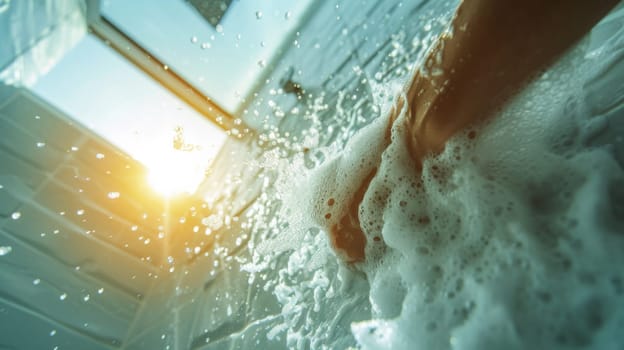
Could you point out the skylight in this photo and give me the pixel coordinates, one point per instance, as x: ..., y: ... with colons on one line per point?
x: 104, y: 92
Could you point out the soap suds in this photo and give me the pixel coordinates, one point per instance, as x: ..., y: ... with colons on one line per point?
x: 509, y: 239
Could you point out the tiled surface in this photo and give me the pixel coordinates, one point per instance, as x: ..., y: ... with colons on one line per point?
x: 77, y: 271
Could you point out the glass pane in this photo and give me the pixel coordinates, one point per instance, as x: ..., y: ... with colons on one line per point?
x: 223, y: 60
x: 101, y: 90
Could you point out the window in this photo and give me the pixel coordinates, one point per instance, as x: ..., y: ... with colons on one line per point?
x: 98, y: 88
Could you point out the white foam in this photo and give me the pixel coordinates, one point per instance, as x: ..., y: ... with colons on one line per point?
x: 513, y: 240
x: 510, y: 240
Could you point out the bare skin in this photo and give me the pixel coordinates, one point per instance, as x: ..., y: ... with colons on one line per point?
x: 495, y: 48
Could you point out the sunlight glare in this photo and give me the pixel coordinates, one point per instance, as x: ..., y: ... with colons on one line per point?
x: 176, y: 173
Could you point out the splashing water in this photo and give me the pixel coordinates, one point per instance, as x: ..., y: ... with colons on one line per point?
x: 511, y: 238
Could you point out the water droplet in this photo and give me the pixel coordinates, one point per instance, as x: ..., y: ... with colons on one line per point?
x: 74, y: 148
x: 258, y: 14
x: 100, y: 291
x: 134, y: 228
x: 287, y: 15
x: 86, y: 298
x: 99, y: 156
x: 63, y: 296
x: 16, y: 215
x: 261, y: 63
x: 113, y: 195
x: 206, y: 46
x: 36, y: 281
x: 193, y: 39
x: 80, y: 212
x: 219, y: 28
x: 4, y: 250
x: 262, y: 44
x: 40, y: 144
x: 166, y: 67
x: 53, y: 332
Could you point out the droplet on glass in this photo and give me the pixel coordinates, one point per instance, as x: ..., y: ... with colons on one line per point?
x: 258, y: 14
x: 100, y: 291
x: 193, y: 39
x: 36, y: 281
x: 287, y: 15
x: 113, y: 195
x: 86, y: 298
x: 40, y: 144
x: 206, y: 46
x: 99, y: 156
x: 219, y: 28
x: 63, y: 296
x: 16, y: 215
x: 80, y: 212
x: 53, y: 332
x: 5, y: 250
x: 261, y: 63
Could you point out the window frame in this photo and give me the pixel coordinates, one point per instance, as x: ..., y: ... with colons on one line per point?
x: 141, y: 58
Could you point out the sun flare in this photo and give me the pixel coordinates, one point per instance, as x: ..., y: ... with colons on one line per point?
x: 176, y: 173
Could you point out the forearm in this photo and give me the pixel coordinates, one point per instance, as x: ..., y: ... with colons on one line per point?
x: 495, y: 46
